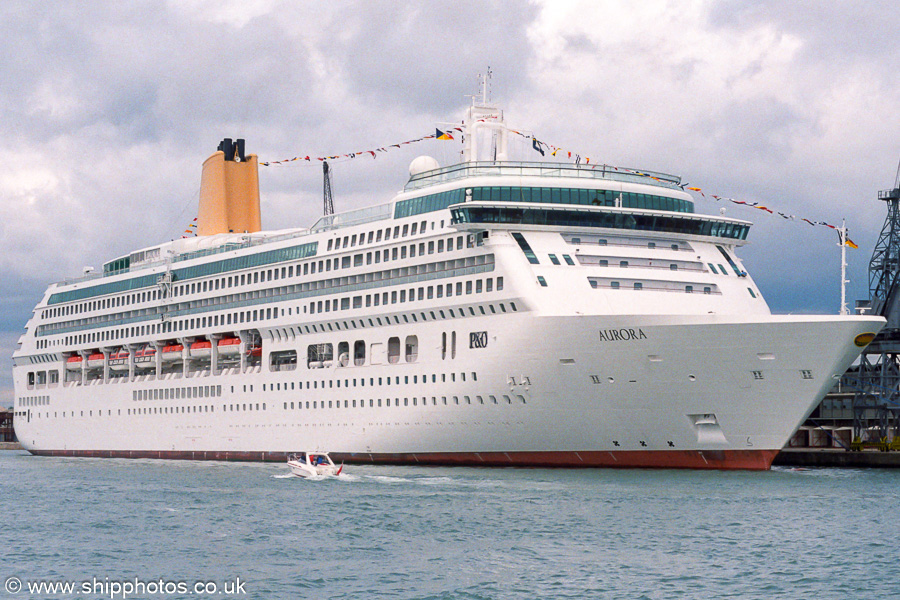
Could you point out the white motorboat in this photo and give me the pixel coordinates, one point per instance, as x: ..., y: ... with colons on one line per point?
x: 312, y: 464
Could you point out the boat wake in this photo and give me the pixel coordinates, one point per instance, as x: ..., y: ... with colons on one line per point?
x: 341, y: 477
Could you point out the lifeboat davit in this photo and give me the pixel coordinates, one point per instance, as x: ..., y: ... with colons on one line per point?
x: 201, y: 349
x: 172, y: 353
x: 73, y: 363
x: 227, y: 346
x: 95, y: 361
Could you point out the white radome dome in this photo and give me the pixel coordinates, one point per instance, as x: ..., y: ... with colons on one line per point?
x: 422, y: 164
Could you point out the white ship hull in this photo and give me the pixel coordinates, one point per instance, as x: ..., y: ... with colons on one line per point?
x: 563, y: 397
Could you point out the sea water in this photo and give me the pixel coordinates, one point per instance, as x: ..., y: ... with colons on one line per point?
x: 138, y: 528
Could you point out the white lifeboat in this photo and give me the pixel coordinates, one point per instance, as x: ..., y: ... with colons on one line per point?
x: 201, y: 349
x: 118, y: 361
x: 95, y: 361
x: 145, y: 357
x: 172, y: 353
x: 228, y: 346
x: 73, y: 363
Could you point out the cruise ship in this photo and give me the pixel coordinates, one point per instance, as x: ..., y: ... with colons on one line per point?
x: 492, y: 313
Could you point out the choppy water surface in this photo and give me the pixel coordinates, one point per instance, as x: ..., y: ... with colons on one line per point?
x: 446, y: 533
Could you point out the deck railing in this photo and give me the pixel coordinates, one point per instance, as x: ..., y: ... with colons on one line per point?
x: 538, y: 169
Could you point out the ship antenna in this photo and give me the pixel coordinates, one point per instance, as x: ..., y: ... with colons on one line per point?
x: 485, y: 89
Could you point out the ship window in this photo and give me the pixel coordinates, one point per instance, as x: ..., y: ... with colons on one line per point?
x: 689, y: 289
x: 568, y: 259
x: 751, y: 292
x: 526, y: 248
x: 542, y: 281
x: 638, y: 285
x: 712, y: 268
x: 614, y: 285
x: 553, y: 259
x: 722, y: 269
x: 319, y: 355
x: 623, y: 264
x: 394, y: 350
x: 343, y: 354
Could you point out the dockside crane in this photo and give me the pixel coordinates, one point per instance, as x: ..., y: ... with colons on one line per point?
x: 876, y: 403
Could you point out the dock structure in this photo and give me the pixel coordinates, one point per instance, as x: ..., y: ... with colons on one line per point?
x: 862, y: 412
x: 7, y: 434
x: 876, y: 380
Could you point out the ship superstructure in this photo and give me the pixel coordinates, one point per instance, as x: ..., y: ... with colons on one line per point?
x: 492, y: 313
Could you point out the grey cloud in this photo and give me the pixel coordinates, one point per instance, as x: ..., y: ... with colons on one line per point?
x: 109, y: 108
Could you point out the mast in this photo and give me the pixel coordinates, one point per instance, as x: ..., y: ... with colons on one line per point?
x: 844, y: 280
x: 486, y: 134
x: 329, y: 199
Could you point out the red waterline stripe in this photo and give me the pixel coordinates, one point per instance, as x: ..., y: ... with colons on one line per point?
x: 754, y: 460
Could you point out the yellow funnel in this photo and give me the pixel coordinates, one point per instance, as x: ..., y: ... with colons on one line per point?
x: 229, y: 191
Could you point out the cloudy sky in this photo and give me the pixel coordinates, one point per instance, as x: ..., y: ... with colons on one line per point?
x: 108, y: 109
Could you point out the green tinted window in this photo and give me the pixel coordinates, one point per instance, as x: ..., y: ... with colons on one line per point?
x: 570, y: 196
x: 610, y: 220
x: 211, y: 268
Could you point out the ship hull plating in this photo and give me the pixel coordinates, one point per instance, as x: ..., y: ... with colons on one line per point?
x: 514, y: 390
